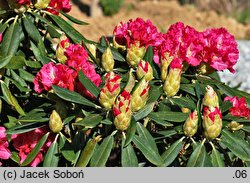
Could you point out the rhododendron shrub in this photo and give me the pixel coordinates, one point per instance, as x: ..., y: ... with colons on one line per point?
x: 139, y: 98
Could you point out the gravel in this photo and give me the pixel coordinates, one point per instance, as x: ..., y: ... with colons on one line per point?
x: 242, y: 75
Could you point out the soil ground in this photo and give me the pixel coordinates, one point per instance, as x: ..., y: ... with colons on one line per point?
x: 162, y: 13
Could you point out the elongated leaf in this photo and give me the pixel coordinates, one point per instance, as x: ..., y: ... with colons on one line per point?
x: 101, y: 155
x: 151, y: 155
x: 154, y: 93
x: 68, y: 29
x: 72, y: 19
x: 11, y: 40
x: 38, y: 54
x: 88, y: 84
x: 149, y: 55
x: 144, y: 111
x: 226, y: 106
x: 16, y: 62
x: 189, y: 88
x: 90, y: 121
x: 26, y: 75
x: 130, y: 132
x: 169, y: 116
x: 4, y: 60
x: 172, y: 152
x: 184, y: 102
x: 216, y: 159
x: 129, y: 158
x: 198, y: 157
x: 87, y: 153
x: 31, y: 29
x: 73, y: 97
x: 51, y: 158
x: 11, y: 99
x: 242, y: 149
x: 167, y: 133
x: 18, y: 78
x: 18, y: 129
x: 31, y: 156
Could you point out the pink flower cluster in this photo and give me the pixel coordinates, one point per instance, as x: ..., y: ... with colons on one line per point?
x: 216, y: 47
x: 65, y: 75
x: 239, y: 108
x: 137, y: 30
x: 59, y: 5
x: 4, y: 144
x: 25, y: 142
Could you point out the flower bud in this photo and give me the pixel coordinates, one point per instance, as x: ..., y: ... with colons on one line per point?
x: 108, y: 61
x: 205, y: 68
x: 173, y: 80
x: 190, y: 126
x: 235, y: 126
x: 135, y: 54
x: 55, y: 122
x: 185, y: 110
x: 122, y: 111
x: 164, y: 66
x: 140, y: 95
x: 145, y: 70
x: 92, y: 49
x: 41, y: 4
x: 131, y: 81
x: 61, y: 48
x: 120, y: 48
x: 110, y: 90
x: 212, y: 122
x: 19, y: 6
x: 211, y: 98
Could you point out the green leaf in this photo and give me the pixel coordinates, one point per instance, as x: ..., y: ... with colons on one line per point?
x: 38, y: 54
x: 148, y: 151
x: 16, y: 62
x: 72, y: 19
x: 225, y: 106
x: 154, y: 93
x: 90, y: 121
x: 51, y: 158
x: 169, y: 116
x: 31, y: 29
x: 33, y: 64
x: 144, y: 111
x: 167, y: 133
x: 87, y: 153
x: 4, y: 60
x: 68, y: 29
x: 242, y: 149
x: 117, y: 56
x: 11, y: 99
x: 189, y: 88
x: 31, y: 156
x: 26, y: 75
x: 198, y: 157
x: 101, y: 155
x: 184, y: 102
x: 73, y: 96
x: 216, y: 158
x: 18, y: 78
x: 130, y: 133
x: 88, y: 84
x: 129, y: 158
x: 44, y: 20
x: 172, y: 152
x: 11, y: 40
x: 149, y: 55
x: 18, y: 129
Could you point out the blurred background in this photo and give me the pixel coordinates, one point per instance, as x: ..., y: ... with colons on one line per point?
x: 234, y: 15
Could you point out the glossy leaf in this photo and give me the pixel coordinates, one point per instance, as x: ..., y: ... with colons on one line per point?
x: 144, y: 111
x: 167, y: 133
x: 172, y: 152
x: 73, y: 96
x: 31, y: 156
x: 102, y: 153
x: 129, y: 158
x: 88, y: 84
x: 31, y: 29
x: 130, y: 133
x: 189, y: 88
x: 72, y: 19
x: 16, y: 62
x: 149, y: 55
x: 198, y: 157
x: 154, y: 93
x: 216, y: 159
x: 169, y: 116
x: 51, y: 158
x: 242, y: 149
x: 38, y: 54
x: 18, y: 129
x: 184, y: 102
x: 90, y: 121
x: 4, y: 60
x: 26, y: 75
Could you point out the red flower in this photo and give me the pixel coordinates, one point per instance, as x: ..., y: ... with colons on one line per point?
x: 25, y: 142
x: 239, y: 108
x: 212, y: 113
x: 57, y: 5
x: 23, y: 2
x: 4, y: 144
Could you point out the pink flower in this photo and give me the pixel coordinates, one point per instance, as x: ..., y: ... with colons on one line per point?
x: 57, y: 5
x: 219, y: 49
x: 23, y: 2
x: 76, y: 56
x: 212, y: 114
x: 137, y: 30
x: 1, y: 37
x: 25, y: 142
x: 51, y: 74
x: 239, y: 108
x: 4, y: 144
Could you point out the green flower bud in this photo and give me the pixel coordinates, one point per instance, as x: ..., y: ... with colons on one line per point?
x: 108, y: 61
x: 190, y: 126
x: 41, y: 4
x: 92, y: 49
x: 55, y: 122
x: 145, y: 70
x: 211, y: 98
x: 185, y: 110
x: 172, y: 83
x: 212, y: 122
x: 235, y: 125
x: 135, y: 54
x: 205, y: 68
x: 164, y: 66
x: 61, y: 48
